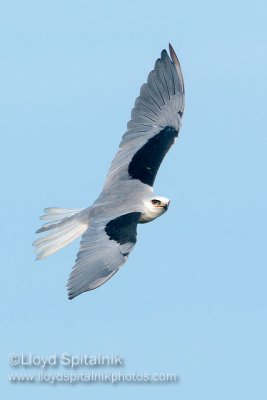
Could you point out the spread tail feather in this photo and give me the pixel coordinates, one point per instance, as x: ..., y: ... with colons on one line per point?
x: 64, y: 226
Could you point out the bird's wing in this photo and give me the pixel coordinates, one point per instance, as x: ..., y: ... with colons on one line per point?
x: 104, y: 249
x: 154, y: 125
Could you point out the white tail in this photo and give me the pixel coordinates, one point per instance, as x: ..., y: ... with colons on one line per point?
x: 64, y: 226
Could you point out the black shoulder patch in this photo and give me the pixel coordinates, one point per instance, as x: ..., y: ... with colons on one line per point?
x: 123, y: 228
x: 146, y: 161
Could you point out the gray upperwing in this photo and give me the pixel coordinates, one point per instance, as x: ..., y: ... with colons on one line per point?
x: 155, y: 122
x: 104, y: 249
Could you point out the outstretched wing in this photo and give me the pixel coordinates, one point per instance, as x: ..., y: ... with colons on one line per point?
x: 154, y: 125
x: 104, y: 249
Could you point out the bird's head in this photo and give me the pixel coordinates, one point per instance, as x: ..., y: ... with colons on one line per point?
x: 155, y: 206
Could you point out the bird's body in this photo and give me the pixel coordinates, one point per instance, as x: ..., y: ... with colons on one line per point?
x: 108, y: 227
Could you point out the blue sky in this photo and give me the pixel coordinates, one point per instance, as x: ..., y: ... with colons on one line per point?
x: 192, y: 297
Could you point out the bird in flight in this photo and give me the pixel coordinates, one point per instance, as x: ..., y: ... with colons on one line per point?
x: 109, y: 226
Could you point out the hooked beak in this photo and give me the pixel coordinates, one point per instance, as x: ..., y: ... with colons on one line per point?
x: 166, y: 206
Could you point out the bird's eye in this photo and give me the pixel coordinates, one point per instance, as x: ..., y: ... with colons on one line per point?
x: 155, y: 201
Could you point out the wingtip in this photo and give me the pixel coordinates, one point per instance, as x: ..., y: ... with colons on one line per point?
x: 173, y: 55
x: 164, y: 54
x: 177, y: 64
x: 71, y: 295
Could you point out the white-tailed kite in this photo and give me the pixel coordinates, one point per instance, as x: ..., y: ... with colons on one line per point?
x: 108, y: 227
